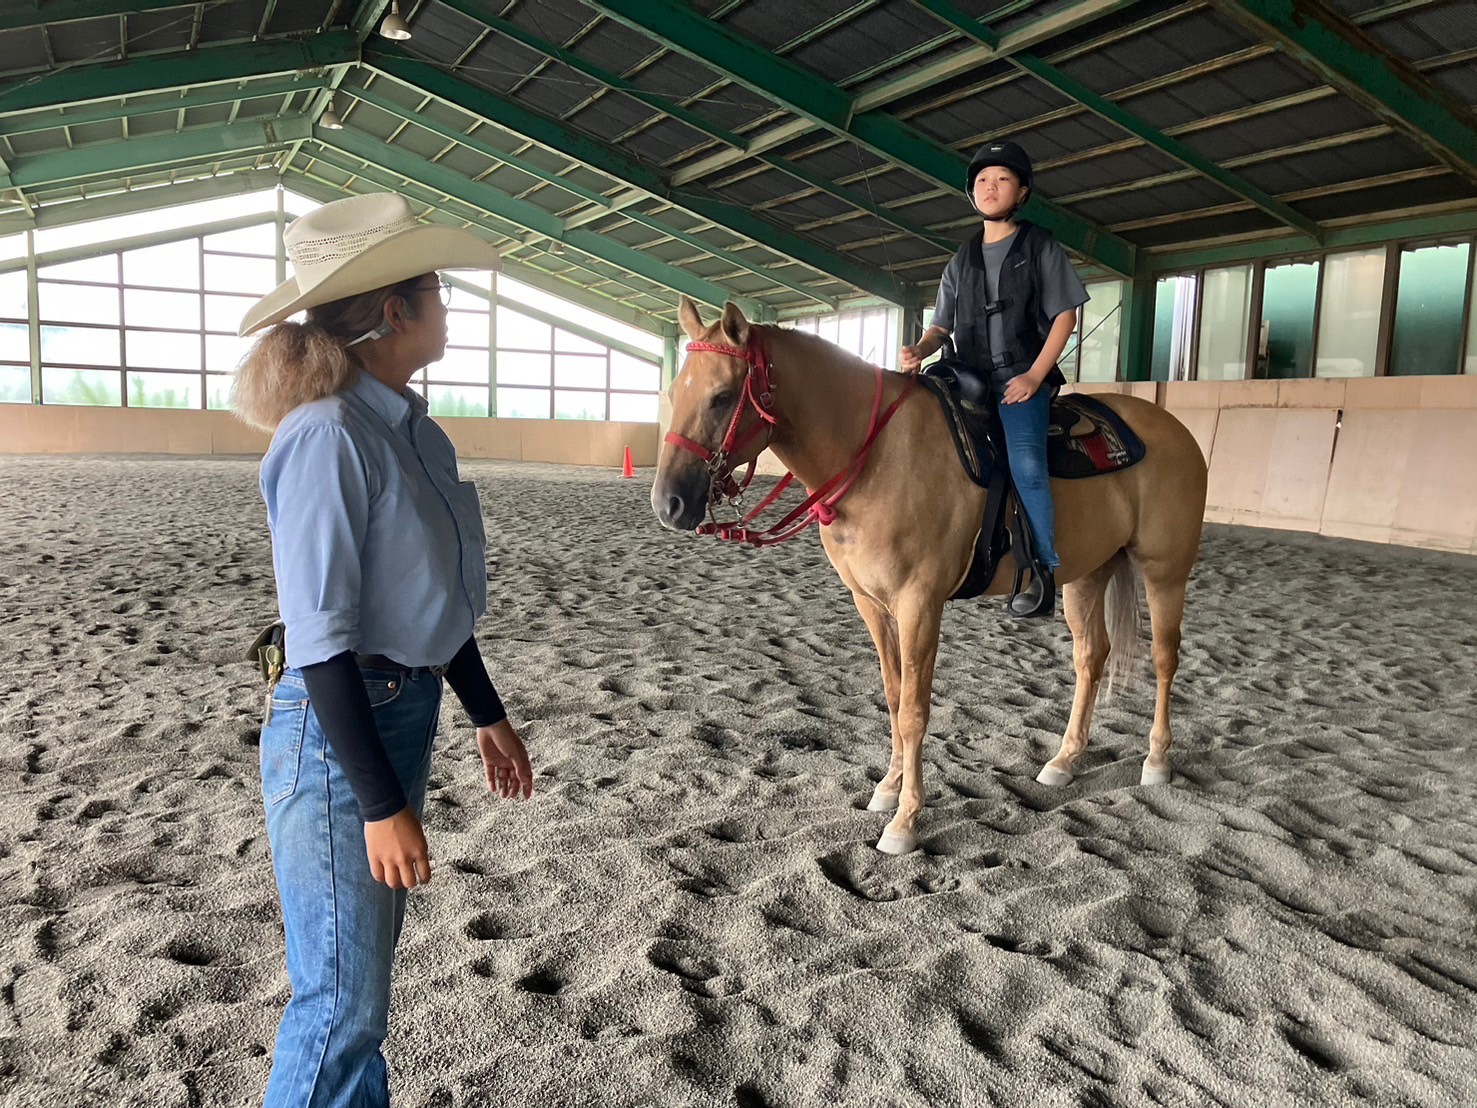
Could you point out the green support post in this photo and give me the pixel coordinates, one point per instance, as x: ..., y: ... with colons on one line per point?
x: 33, y: 316
x: 1136, y: 342
x: 669, y: 360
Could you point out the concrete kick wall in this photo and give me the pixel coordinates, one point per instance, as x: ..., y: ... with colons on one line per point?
x: 1384, y: 459
x: 62, y: 429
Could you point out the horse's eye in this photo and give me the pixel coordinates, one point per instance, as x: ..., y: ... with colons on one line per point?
x: 721, y: 400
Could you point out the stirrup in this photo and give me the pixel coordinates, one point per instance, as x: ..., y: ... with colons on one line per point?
x: 1045, y: 604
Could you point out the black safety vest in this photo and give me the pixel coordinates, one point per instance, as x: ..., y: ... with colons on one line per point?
x: 1025, y: 324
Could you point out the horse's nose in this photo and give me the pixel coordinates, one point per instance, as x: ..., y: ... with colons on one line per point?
x: 667, y: 505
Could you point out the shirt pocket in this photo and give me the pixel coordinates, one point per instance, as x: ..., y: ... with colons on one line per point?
x: 466, y: 507
x: 282, y: 743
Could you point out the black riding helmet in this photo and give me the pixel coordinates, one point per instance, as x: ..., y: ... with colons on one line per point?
x: 1006, y: 154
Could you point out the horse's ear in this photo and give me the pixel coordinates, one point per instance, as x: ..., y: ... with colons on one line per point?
x: 692, y: 323
x: 735, y: 326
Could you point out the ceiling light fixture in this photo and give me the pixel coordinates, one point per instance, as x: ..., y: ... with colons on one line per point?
x: 393, y: 26
x: 329, y: 120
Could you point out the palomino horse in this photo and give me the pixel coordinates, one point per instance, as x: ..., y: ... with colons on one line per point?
x: 902, y: 533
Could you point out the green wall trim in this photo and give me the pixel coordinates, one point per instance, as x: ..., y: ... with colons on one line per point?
x: 1334, y: 238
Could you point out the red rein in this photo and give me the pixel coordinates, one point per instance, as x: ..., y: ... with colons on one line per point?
x: 758, y: 393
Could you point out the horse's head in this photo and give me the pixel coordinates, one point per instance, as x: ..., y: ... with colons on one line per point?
x: 720, y: 402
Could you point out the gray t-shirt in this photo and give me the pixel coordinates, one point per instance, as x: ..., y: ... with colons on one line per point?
x: 1061, y: 289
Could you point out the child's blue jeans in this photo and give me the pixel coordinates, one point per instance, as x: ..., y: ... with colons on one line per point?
x: 1025, y: 443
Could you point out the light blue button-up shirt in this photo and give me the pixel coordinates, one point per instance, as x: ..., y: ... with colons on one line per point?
x: 377, y: 543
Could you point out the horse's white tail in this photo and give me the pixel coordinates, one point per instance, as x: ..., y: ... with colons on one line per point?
x: 1122, y: 611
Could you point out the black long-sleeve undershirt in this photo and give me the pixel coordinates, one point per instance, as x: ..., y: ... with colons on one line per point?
x: 336, y: 692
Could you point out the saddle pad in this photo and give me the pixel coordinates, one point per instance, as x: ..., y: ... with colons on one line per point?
x: 1086, y: 438
x: 969, y: 427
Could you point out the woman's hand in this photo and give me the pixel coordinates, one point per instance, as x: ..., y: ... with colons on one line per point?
x: 398, y: 855
x: 505, y: 760
x: 910, y: 358
x: 1021, y: 388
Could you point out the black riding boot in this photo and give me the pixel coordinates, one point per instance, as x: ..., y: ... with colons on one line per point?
x: 1038, y: 599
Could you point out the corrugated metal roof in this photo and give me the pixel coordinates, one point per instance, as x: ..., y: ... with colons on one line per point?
x: 541, y: 119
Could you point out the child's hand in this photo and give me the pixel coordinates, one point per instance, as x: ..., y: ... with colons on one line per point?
x: 1021, y: 388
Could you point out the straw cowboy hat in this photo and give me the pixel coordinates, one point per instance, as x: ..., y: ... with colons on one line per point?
x: 359, y: 244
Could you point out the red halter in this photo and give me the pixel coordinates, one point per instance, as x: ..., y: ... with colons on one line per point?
x: 820, y: 505
x: 758, y: 392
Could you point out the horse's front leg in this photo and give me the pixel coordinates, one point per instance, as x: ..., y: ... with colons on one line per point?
x: 918, y: 644
x: 883, y: 627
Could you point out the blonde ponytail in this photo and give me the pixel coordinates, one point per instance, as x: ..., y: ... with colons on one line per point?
x: 295, y: 363
x: 291, y: 364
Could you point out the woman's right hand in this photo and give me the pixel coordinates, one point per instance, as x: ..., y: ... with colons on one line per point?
x: 398, y: 855
x: 910, y: 358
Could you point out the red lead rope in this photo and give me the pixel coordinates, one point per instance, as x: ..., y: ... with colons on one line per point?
x: 820, y: 505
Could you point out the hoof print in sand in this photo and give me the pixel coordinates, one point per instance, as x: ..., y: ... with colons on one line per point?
x: 1314, y: 1047
x: 1034, y: 948
x: 747, y: 1096
x: 542, y: 982
x: 861, y: 878
x: 490, y: 927
x: 697, y: 975
x: 190, y: 952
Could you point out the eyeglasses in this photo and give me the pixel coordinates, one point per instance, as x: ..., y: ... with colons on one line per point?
x: 443, y: 285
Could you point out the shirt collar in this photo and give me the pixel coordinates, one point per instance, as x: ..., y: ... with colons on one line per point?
x: 391, y: 406
x: 976, y: 253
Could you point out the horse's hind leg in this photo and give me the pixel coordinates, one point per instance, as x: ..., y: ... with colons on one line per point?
x: 1164, y: 588
x: 883, y: 627
x: 1082, y: 601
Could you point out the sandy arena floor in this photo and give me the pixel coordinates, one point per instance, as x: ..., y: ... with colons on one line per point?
x: 690, y: 911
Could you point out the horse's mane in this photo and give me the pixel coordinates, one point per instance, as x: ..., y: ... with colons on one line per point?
x: 843, y: 359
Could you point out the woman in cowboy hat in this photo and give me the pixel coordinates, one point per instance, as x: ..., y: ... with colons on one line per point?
x: 379, y: 554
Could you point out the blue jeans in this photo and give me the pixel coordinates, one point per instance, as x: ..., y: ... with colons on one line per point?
x: 341, y: 925
x: 1025, y: 444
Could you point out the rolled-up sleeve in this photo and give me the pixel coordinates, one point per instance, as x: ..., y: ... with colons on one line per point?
x: 943, y: 305
x: 317, y: 496
x: 1061, y: 289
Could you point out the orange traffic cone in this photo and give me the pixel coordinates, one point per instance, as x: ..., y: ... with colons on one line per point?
x: 627, y: 469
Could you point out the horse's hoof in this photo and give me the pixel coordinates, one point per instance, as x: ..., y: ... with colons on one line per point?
x: 893, y: 842
x: 1050, y: 775
x: 883, y: 801
x: 1152, y: 776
